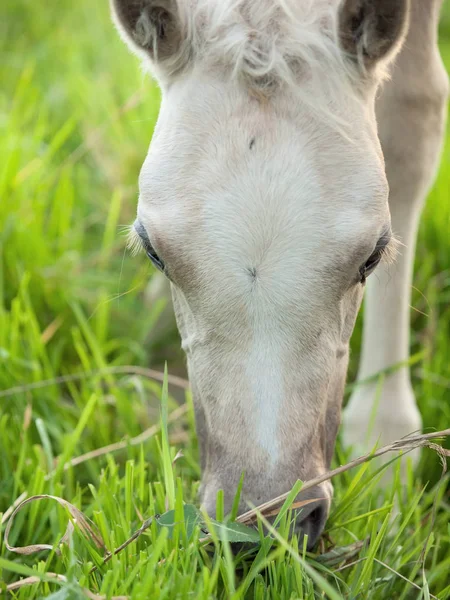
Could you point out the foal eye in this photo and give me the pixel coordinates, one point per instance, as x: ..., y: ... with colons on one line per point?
x: 370, y: 265
x: 375, y: 258
x: 146, y: 244
x: 150, y: 252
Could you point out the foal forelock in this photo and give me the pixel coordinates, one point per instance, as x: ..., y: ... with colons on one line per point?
x: 268, y: 45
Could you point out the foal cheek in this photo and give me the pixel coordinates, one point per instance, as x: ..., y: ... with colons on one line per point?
x: 350, y: 310
x: 334, y: 408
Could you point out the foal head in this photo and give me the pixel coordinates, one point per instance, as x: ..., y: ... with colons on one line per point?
x: 264, y: 200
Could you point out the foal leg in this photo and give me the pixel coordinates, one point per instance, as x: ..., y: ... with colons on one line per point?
x: 411, y: 117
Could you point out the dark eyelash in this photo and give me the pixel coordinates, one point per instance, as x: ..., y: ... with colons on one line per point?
x: 385, y: 250
x: 137, y: 242
x: 134, y: 241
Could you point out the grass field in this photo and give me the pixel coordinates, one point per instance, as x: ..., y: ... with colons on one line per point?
x: 76, y: 117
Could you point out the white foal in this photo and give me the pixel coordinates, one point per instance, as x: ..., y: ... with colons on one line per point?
x: 264, y: 200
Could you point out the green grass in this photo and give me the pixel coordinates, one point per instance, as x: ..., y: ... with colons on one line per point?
x: 76, y: 116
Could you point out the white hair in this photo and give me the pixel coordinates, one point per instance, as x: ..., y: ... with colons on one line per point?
x: 268, y: 41
x: 268, y: 45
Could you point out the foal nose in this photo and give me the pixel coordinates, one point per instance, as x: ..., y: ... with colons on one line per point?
x: 311, y: 521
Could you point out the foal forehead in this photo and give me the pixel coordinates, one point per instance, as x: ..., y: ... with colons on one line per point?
x: 213, y: 139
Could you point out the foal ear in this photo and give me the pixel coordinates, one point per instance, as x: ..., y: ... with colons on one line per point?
x: 152, y: 28
x: 371, y: 30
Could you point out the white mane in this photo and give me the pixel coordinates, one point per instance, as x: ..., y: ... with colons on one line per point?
x: 269, y: 45
x: 269, y: 42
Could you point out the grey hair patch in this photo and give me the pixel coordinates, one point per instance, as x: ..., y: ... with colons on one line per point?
x: 145, y: 32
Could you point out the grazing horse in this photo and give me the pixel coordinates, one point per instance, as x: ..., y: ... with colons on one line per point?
x: 295, y: 139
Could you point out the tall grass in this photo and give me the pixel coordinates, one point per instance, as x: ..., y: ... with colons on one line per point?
x: 76, y: 116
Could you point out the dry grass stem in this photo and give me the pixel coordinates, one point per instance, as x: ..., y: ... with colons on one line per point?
x: 300, y: 504
x: 404, y: 445
x: 136, y: 441
x: 16, y: 503
x: 145, y: 525
x: 383, y: 564
x: 56, y: 577
x: 85, y: 525
x: 16, y: 585
x: 121, y: 370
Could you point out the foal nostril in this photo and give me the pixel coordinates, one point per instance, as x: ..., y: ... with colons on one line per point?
x: 311, y: 521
